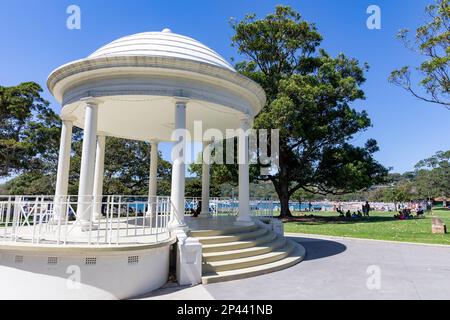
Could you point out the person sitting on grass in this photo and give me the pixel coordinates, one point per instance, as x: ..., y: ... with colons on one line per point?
x: 348, y: 214
x: 400, y: 216
x: 360, y: 215
x: 407, y: 213
x: 420, y: 212
x: 354, y: 216
x: 341, y: 213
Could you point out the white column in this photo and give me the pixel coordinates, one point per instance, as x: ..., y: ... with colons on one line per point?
x: 153, y: 177
x: 244, y: 179
x: 62, y: 178
x: 178, y: 167
x: 98, y: 175
x: 86, y: 188
x: 206, y: 177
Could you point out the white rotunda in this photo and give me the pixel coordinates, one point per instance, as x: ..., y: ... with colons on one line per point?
x: 142, y: 87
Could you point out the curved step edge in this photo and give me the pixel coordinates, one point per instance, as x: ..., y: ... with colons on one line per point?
x: 222, y: 232
x: 227, y: 246
x: 248, y: 262
x: 296, y: 256
x: 232, y: 238
x: 275, y: 244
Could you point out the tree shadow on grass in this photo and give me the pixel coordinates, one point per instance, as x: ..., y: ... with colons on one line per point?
x: 321, y: 220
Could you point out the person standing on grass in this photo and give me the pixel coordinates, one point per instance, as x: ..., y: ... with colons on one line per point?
x: 366, y: 209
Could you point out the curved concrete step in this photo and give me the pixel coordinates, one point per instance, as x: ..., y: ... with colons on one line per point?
x: 277, y: 243
x: 247, y: 262
x: 297, y: 255
x: 233, y: 238
x: 236, y: 245
x: 221, y: 232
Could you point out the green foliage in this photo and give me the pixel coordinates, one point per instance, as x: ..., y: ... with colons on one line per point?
x: 433, y: 176
x: 29, y: 145
x: 309, y: 96
x: 403, y: 192
x: 194, y: 189
x: 302, y: 195
x: 31, y: 183
x: 29, y: 130
x: 127, y: 164
x: 432, y: 42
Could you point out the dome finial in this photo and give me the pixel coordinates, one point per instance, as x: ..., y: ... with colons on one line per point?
x: 166, y: 30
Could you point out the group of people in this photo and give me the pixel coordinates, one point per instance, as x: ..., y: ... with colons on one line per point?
x: 355, y: 215
x: 406, y: 214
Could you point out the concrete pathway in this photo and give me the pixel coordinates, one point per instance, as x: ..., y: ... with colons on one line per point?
x: 337, y: 268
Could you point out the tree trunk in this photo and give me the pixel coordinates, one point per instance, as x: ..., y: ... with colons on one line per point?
x: 282, y: 189
x: 284, y: 201
x: 281, y: 184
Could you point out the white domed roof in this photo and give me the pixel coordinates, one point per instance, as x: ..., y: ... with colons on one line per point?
x: 165, y: 44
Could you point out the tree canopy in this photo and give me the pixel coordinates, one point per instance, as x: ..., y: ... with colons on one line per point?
x: 127, y: 165
x: 29, y: 131
x: 29, y: 144
x: 309, y: 97
x: 433, y: 176
x: 432, y: 42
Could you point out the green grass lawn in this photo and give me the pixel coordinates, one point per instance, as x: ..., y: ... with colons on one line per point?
x: 380, y: 226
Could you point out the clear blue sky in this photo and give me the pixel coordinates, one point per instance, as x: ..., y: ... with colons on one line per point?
x: 35, y: 40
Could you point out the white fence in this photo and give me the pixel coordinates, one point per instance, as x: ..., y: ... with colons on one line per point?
x: 111, y: 220
x: 230, y: 207
x: 46, y: 220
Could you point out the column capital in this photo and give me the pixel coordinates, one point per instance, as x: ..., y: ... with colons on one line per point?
x: 154, y: 142
x: 246, y: 121
x: 67, y: 120
x: 101, y: 134
x: 207, y: 143
x: 181, y: 101
x: 91, y: 101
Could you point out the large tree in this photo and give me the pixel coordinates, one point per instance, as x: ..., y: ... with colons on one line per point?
x: 432, y: 43
x: 309, y: 96
x: 29, y: 131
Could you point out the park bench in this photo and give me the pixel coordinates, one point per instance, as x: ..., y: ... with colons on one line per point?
x: 438, y: 226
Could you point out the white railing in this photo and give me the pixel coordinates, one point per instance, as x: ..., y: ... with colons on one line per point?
x: 109, y: 220
x: 230, y: 207
x: 46, y: 220
x: 262, y: 208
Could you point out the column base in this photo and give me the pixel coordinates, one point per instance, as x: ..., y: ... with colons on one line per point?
x: 206, y: 214
x: 96, y: 217
x: 150, y: 214
x: 86, y: 226
x: 244, y: 221
x: 57, y: 221
x: 177, y: 226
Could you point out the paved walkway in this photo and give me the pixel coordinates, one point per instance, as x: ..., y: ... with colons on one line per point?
x: 338, y: 269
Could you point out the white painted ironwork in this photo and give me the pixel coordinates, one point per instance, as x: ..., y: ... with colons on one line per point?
x: 46, y: 220
x: 230, y: 207
x: 124, y: 219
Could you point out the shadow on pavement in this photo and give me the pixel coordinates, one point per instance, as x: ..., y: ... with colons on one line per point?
x: 319, y: 248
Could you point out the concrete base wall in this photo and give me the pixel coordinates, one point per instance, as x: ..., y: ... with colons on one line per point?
x: 37, y: 273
